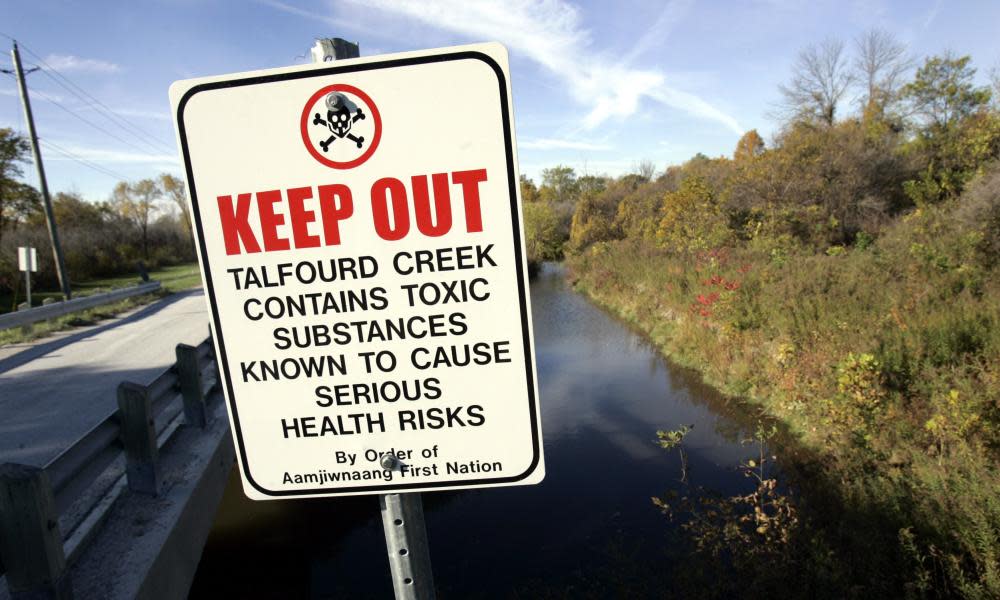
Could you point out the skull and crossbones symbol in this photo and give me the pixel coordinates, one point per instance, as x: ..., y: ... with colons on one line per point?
x: 341, y: 113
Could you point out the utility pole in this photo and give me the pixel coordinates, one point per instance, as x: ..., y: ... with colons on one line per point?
x: 43, y: 186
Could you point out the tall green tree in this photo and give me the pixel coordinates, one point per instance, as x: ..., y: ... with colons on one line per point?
x: 72, y: 211
x: 956, y: 133
x: 559, y: 185
x: 542, y: 238
x: 942, y: 93
x: 17, y: 200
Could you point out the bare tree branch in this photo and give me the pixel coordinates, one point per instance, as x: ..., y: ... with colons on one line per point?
x: 881, y: 64
x: 820, y: 79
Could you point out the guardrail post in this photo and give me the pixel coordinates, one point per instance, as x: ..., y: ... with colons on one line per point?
x: 139, y: 438
x: 189, y: 376
x: 30, y: 542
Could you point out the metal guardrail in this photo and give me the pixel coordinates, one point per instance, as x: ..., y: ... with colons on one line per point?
x: 58, y: 309
x: 34, y: 500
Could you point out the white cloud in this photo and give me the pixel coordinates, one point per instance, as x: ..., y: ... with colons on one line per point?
x: 68, y: 62
x: 102, y: 155
x: 142, y: 114
x: 337, y: 23
x: 32, y: 94
x: 554, y: 144
x: 550, y: 33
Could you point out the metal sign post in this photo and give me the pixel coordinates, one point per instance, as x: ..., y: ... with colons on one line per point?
x: 406, y: 542
x: 402, y: 514
x: 27, y: 259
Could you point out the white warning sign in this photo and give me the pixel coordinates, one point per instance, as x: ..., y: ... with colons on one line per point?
x: 360, y: 238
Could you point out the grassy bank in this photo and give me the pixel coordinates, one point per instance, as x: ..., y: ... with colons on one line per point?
x: 173, y: 279
x: 882, y: 361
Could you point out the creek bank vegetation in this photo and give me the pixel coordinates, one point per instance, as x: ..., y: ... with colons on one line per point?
x: 845, y: 277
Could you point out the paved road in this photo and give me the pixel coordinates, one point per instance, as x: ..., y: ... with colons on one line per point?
x: 54, y: 390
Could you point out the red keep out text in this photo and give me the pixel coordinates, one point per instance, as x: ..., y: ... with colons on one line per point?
x: 249, y: 231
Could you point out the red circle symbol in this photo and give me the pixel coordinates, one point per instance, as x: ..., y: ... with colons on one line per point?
x: 304, y: 126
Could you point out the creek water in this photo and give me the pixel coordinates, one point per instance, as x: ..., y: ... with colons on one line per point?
x: 589, y: 530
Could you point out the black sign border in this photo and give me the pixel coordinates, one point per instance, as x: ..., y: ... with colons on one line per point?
x: 512, y: 183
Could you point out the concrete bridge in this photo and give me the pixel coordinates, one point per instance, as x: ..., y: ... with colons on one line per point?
x: 108, y: 489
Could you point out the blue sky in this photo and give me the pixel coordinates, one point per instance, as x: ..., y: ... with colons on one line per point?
x: 599, y: 86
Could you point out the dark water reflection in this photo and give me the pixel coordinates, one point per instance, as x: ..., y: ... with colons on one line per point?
x: 589, y: 530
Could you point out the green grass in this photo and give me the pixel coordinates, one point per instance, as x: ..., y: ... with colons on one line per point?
x: 174, y: 279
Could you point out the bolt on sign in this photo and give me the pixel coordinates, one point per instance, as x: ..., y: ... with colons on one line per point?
x: 360, y: 238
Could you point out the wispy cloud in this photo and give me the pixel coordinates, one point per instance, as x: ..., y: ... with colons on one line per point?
x: 931, y: 14
x: 550, y: 33
x: 103, y: 155
x: 308, y: 14
x: 132, y: 113
x: 140, y: 114
x: 554, y: 144
x: 33, y: 94
x: 68, y: 62
x: 670, y: 16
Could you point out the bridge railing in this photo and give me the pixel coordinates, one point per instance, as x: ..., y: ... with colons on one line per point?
x: 58, y: 309
x: 49, y: 514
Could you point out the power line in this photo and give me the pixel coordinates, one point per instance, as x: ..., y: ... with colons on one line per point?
x: 80, y: 117
x: 83, y: 161
x: 66, y: 153
x: 95, y: 103
x: 48, y: 98
x: 151, y: 140
x: 154, y: 143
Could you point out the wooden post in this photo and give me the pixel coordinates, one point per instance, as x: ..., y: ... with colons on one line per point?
x: 30, y: 542
x: 189, y: 375
x: 139, y: 438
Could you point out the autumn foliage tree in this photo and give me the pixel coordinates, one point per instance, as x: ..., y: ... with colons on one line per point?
x: 175, y: 191
x: 750, y: 146
x: 691, y: 218
x: 138, y: 202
